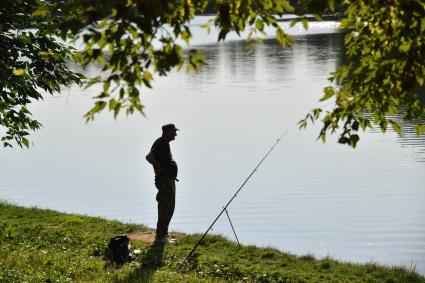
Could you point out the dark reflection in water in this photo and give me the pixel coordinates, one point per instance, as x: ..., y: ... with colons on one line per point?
x: 237, y: 63
x: 408, y: 137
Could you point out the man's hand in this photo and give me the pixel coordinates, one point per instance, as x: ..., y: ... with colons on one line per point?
x: 150, y: 158
x: 156, y: 166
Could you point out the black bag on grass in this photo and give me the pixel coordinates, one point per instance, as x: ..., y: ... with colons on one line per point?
x: 118, y: 249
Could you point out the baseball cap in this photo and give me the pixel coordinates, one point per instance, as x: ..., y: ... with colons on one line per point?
x: 169, y: 127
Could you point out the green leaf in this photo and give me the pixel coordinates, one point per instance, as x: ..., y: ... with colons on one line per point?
x: 405, y: 47
x: 44, y: 54
x: 305, y: 23
x: 331, y: 4
x: 353, y: 140
x: 344, y: 23
x: 112, y: 104
x: 420, y: 129
x: 281, y: 37
x: 316, y: 113
x: 222, y: 34
x: 382, y: 124
x: 287, y: 6
x: 139, y: 108
x: 395, y: 126
x: 302, y: 124
x: 26, y: 142
x: 19, y: 72
x: 117, y: 110
x: 186, y: 37
x: 329, y: 92
x: 240, y: 25
x: 133, y: 31
x: 41, y: 11
x: 259, y: 24
x: 92, y: 81
x: 355, y: 126
x: 106, y: 86
x: 100, y: 105
x: 102, y: 95
x: 420, y: 78
x: 147, y: 75
x: 207, y: 25
x: 364, y: 123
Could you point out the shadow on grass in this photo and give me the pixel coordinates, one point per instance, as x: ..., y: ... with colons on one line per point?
x: 150, y: 262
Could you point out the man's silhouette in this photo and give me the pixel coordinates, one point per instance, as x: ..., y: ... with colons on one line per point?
x: 165, y: 176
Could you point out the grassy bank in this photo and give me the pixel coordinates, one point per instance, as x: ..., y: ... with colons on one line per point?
x: 47, y: 246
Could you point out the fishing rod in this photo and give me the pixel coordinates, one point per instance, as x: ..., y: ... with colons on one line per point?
x: 228, y: 203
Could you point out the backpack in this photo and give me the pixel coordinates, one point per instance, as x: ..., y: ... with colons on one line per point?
x: 118, y: 249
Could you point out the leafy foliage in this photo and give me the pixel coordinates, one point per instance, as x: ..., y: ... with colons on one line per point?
x: 135, y: 41
x: 385, y: 73
x: 31, y: 60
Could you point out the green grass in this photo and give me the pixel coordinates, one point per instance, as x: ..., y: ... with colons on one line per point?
x: 38, y: 245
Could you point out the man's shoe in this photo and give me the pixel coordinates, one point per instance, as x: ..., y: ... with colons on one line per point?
x: 164, y: 240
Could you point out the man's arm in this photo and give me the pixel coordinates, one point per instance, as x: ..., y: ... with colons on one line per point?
x: 156, y: 166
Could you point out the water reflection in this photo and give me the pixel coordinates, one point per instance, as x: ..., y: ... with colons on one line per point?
x: 409, y: 138
x: 269, y: 63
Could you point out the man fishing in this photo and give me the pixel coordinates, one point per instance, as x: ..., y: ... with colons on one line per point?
x: 165, y: 176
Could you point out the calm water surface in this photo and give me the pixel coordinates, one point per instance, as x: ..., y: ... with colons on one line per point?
x: 356, y: 205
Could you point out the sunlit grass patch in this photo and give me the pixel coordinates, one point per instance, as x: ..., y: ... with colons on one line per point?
x: 38, y: 245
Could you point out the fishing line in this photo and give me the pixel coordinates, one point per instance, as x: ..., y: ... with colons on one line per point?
x: 228, y: 203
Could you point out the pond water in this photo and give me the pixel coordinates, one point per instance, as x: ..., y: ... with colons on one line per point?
x: 357, y: 205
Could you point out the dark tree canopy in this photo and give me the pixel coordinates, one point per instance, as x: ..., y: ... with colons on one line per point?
x: 384, y: 75
x: 31, y: 60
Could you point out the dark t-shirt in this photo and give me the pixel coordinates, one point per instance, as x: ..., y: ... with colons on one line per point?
x: 161, y: 151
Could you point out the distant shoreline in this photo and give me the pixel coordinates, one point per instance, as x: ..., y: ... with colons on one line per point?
x: 290, y: 17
